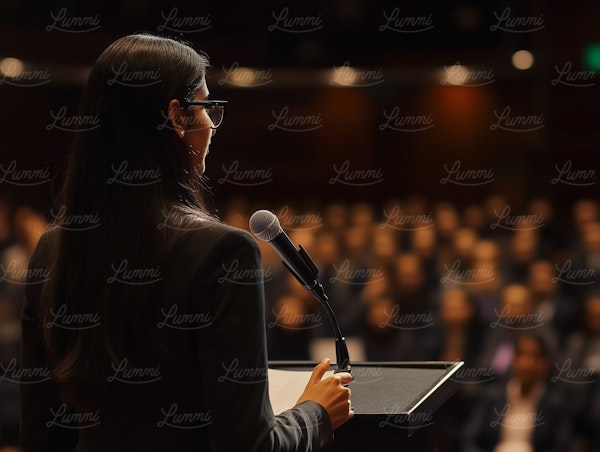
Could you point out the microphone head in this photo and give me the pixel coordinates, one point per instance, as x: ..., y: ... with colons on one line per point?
x: 264, y: 224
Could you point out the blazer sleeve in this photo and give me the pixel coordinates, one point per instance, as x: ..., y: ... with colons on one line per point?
x: 39, y: 398
x: 233, y: 358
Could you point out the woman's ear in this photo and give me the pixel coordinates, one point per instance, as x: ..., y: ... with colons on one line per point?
x: 177, y: 118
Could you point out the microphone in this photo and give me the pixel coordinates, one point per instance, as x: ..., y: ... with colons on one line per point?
x: 265, y: 225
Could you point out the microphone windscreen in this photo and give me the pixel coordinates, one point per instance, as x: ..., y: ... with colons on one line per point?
x: 265, y: 225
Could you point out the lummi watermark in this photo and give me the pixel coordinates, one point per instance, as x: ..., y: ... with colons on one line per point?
x: 356, y: 177
x: 23, y: 177
x: 284, y: 21
x: 505, y: 21
x: 473, y: 375
x: 365, y: 375
x: 175, y: 219
x: 173, y: 318
x: 245, y: 77
x: 527, y: 222
x: 74, y: 321
x: 123, y: 75
x: 568, y: 374
x: 61, y: 20
x: 172, y: 21
x: 346, y: 75
x: 250, y: 177
x: 565, y: 75
x: 406, y: 123
x: 396, y: 417
x: 174, y: 417
x: 346, y: 273
x: 407, y: 321
x: 65, y: 417
x: 456, y: 175
x: 505, y: 120
x: 244, y: 276
x: 234, y: 373
x: 518, y: 418
x: 458, y: 74
x: 457, y: 274
x: 123, y: 175
x: 575, y: 276
x: 298, y: 221
x: 395, y: 218
x: 13, y: 373
x: 133, y: 276
x: 72, y: 123
x: 125, y: 373
x: 574, y: 177
x: 289, y: 319
x: 13, y: 73
x: 295, y: 123
x: 406, y: 24
x: 73, y: 221
x: 14, y: 273
x: 509, y: 320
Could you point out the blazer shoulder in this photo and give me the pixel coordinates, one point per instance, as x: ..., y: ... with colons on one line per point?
x: 214, y: 230
x: 220, y: 238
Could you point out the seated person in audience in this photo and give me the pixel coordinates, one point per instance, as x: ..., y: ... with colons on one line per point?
x: 409, y: 285
x: 457, y: 333
x: 578, y: 375
x: 514, y: 316
x: 484, y: 278
x: 456, y: 336
x: 583, y: 271
x: 583, y: 346
x: 557, y: 311
x: 524, y: 414
x: 522, y: 252
x: 389, y: 335
x: 463, y: 241
x: 291, y: 316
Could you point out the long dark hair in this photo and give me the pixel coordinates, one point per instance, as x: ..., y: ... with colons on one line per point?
x: 107, y: 218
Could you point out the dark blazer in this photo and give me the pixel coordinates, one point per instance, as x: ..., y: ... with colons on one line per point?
x: 550, y: 434
x: 209, y: 393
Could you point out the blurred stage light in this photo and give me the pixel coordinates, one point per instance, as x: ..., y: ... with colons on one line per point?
x: 522, y: 59
x: 591, y: 56
x: 344, y: 75
x: 454, y: 75
x: 11, y: 67
x: 243, y: 76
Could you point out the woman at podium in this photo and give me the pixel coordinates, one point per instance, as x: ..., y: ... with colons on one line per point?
x: 143, y: 326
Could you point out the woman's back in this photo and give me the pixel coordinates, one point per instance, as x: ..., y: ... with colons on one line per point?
x: 207, y: 317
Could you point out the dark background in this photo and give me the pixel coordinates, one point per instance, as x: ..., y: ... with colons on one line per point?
x: 411, y: 65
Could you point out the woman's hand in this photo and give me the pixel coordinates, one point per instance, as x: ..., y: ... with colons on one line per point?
x: 330, y: 393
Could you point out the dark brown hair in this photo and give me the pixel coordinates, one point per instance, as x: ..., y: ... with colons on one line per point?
x: 128, y: 92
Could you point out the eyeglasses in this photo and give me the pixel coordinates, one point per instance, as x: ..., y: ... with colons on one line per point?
x: 214, y: 109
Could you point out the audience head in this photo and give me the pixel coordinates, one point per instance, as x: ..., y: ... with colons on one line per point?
x: 532, y: 359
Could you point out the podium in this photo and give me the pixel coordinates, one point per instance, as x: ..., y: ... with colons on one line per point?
x: 394, y: 403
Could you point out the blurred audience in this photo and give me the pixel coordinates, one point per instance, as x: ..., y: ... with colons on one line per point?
x: 512, y: 294
x: 18, y: 239
x: 525, y: 413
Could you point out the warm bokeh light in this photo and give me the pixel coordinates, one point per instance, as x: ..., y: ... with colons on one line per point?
x: 454, y: 75
x: 243, y: 76
x: 11, y: 67
x: 522, y: 59
x: 344, y: 75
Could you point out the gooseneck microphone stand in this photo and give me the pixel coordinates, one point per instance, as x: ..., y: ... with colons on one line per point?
x: 341, y: 350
